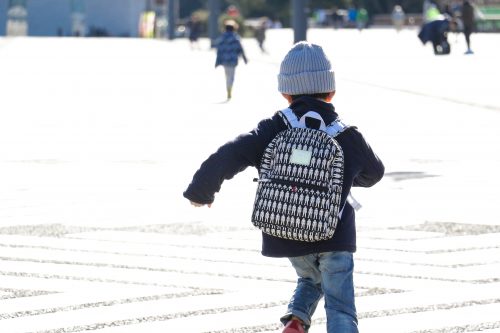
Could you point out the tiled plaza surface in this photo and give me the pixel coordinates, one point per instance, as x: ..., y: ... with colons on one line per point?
x: 99, y: 137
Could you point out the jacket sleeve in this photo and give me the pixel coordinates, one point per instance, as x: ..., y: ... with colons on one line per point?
x: 242, y: 52
x: 231, y: 158
x: 372, y: 169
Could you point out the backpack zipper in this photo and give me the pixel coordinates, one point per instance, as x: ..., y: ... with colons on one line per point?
x: 293, y: 184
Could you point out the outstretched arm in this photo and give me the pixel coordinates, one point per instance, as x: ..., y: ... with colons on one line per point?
x: 230, y: 159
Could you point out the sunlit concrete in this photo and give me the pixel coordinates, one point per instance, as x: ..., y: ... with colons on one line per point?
x: 99, y: 138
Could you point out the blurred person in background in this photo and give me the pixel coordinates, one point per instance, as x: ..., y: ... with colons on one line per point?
x: 398, y: 18
x: 362, y: 18
x: 260, y: 32
x: 229, y: 49
x: 435, y: 30
x: 468, y: 21
x: 194, y: 26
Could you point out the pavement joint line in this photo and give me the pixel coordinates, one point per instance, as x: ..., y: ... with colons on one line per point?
x: 467, y: 328
x: 257, y: 250
x: 373, y: 314
x: 479, y: 281
x: 254, y: 250
x: 253, y: 329
x: 17, y: 293
x: 451, y: 229
x: 370, y: 291
x: 262, y: 328
x: 173, y: 245
x: 406, y: 239
x: 426, y: 264
x: 252, y: 277
x: 18, y: 314
x: 420, y: 309
x: 406, y: 91
x: 75, y: 307
x: 166, y: 317
x: 136, y: 254
x: 462, y: 249
x: 197, y: 228
x: 415, y: 309
x: 418, y: 93
x: 51, y: 230
x: 58, y: 230
x: 144, y: 268
x: 234, y: 261
x: 89, y: 279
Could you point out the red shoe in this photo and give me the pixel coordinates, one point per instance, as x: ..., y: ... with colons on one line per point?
x: 294, y: 326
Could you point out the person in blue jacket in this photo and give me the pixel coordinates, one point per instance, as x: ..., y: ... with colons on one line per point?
x: 229, y: 49
x: 324, y: 268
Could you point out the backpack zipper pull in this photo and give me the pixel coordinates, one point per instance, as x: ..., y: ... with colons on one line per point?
x: 263, y: 180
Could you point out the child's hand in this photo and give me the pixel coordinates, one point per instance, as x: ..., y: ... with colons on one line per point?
x: 199, y: 204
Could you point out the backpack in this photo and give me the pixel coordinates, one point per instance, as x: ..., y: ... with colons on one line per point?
x: 300, y: 181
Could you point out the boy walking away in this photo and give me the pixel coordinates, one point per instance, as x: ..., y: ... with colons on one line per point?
x: 229, y: 49
x: 324, y: 267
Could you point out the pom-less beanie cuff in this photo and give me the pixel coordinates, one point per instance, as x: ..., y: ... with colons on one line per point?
x: 306, y: 70
x: 306, y: 83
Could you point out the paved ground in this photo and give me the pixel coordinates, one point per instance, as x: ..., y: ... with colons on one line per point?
x: 99, y: 137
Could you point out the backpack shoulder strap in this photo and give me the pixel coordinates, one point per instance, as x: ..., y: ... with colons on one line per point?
x: 289, y: 118
x: 292, y: 121
x: 337, y: 127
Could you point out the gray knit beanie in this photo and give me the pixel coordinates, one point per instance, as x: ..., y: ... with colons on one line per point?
x: 306, y: 70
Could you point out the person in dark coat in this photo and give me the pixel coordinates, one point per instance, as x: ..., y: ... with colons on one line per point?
x: 307, y: 81
x: 468, y: 21
x: 436, y: 32
x: 194, y: 26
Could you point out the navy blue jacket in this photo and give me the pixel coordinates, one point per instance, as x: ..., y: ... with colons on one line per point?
x: 229, y: 49
x: 434, y: 31
x: 361, y: 168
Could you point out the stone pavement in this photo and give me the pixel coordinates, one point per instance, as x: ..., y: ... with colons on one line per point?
x: 99, y: 137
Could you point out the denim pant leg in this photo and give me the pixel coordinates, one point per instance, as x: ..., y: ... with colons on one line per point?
x: 308, y: 291
x: 229, y: 72
x: 328, y: 274
x: 337, y: 283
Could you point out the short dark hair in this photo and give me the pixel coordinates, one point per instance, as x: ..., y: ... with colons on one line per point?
x: 317, y: 95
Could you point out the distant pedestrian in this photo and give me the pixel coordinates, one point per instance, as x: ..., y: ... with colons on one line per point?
x: 398, y: 17
x: 468, y: 21
x: 276, y: 24
x: 337, y: 19
x: 431, y: 11
x: 362, y: 18
x: 194, y: 26
x: 352, y: 14
x: 425, y: 6
x: 229, y: 49
x: 324, y: 268
x: 260, y: 32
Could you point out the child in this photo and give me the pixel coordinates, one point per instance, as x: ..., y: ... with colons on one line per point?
x: 324, y: 268
x: 228, y: 51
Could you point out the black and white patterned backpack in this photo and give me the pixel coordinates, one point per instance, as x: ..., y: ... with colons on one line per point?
x: 300, y: 181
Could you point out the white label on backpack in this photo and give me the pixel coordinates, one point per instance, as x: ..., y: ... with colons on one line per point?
x: 302, y: 157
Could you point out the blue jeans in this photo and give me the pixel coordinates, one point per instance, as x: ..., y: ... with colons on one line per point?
x: 326, y: 274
